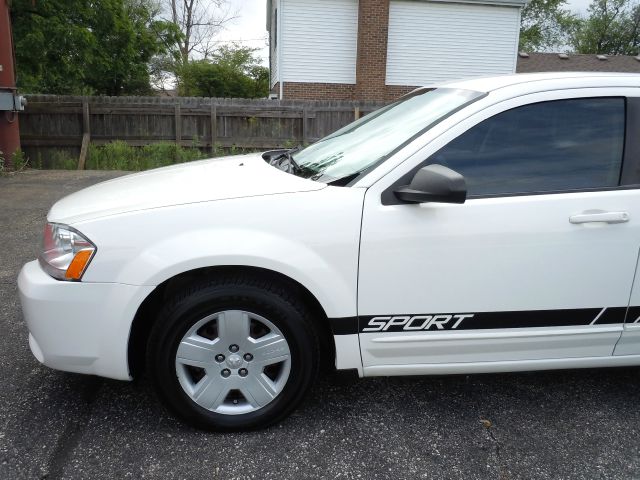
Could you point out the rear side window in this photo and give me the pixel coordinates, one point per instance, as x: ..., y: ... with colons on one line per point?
x: 550, y: 146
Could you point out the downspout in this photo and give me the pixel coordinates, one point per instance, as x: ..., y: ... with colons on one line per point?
x: 515, y: 63
x: 269, y: 17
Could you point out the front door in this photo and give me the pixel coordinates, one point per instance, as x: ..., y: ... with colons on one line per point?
x: 536, y: 265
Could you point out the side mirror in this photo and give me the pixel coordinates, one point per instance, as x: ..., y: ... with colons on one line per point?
x: 434, y: 183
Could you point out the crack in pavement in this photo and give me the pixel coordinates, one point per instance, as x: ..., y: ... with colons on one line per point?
x: 487, y: 425
x: 504, y: 473
x: 74, y: 430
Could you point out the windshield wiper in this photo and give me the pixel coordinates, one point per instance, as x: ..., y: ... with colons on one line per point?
x: 291, y: 165
x: 343, y: 181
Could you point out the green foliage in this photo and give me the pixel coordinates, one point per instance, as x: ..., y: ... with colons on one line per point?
x: 234, y: 71
x: 545, y: 25
x: 59, y: 160
x: 120, y: 156
x: 100, y: 47
x: 20, y: 160
x: 612, y: 28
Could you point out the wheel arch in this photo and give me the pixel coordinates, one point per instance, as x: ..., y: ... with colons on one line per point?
x: 146, y: 313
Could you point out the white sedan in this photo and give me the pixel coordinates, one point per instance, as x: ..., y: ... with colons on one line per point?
x: 486, y: 225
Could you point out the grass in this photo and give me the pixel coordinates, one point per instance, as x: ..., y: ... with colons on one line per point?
x: 118, y: 155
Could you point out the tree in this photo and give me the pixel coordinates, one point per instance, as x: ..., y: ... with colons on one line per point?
x: 77, y: 47
x: 612, y: 28
x: 199, y: 21
x: 233, y: 71
x: 545, y: 25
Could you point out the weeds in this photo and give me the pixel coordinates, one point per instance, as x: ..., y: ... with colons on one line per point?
x: 59, y: 160
x: 19, y: 160
x: 118, y: 155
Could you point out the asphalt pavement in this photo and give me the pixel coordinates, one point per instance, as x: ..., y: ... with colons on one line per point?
x: 580, y: 424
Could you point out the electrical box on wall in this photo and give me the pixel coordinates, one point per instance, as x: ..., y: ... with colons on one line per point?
x: 11, y: 101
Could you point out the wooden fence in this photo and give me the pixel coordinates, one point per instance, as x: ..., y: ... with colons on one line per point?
x: 69, y: 123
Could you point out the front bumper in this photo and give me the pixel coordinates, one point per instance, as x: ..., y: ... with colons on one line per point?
x: 79, y: 327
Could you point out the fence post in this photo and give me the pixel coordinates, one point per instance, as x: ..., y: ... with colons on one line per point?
x: 86, y: 135
x: 356, y: 113
x: 178, y: 124
x: 214, y: 127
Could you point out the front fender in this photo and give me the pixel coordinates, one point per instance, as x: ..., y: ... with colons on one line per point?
x: 310, y: 237
x: 251, y: 248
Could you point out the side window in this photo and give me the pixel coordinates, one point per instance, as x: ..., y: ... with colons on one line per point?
x: 549, y: 146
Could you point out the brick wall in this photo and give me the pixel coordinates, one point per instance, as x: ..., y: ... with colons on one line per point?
x: 371, y: 63
x: 393, y: 92
x: 316, y: 91
x: 337, y: 91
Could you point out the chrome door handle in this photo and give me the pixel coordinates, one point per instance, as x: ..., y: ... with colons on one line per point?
x: 600, y: 217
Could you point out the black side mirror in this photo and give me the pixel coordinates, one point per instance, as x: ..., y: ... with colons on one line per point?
x: 434, y: 183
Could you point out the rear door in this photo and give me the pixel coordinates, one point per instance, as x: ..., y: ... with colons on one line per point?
x: 536, y: 266
x: 629, y: 343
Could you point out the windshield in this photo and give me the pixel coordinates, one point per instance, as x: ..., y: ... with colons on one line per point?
x: 374, y: 137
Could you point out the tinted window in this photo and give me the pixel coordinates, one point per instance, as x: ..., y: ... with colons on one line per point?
x: 549, y: 146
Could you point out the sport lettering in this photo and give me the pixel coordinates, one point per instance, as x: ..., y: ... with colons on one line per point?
x: 413, y: 323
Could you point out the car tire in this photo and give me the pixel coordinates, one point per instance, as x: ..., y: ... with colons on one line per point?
x: 209, y: 353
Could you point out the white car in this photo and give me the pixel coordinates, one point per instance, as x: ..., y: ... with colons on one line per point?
x: 486, y: 225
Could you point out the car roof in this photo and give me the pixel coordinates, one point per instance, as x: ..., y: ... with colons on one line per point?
x: 553, y: 79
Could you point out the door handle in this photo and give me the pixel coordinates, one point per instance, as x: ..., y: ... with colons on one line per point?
x: 599, y: 217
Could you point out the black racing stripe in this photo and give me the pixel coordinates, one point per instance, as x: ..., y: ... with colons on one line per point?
x: 612, y: 315
x: 530, y: 318
x: 511, y: 319
x: 633, y: 314
x: 344, y: 325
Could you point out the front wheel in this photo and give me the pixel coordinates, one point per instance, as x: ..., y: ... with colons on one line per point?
x: 233, y: 354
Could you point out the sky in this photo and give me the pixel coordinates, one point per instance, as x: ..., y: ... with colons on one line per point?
x: 578, y: 6
x: 249, y: 28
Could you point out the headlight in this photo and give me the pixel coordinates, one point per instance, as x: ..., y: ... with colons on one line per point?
x: 66, y: 253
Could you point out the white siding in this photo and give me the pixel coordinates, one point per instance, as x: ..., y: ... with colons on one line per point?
x: 274, y: 46
x: 319, y: 40
x: 434, y: 42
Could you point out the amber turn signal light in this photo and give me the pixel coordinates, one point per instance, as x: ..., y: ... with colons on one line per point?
x: 78, y: 264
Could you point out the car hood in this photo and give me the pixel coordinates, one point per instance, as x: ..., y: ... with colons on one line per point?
x: 202, y: 181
